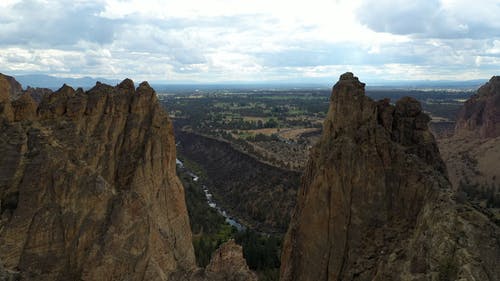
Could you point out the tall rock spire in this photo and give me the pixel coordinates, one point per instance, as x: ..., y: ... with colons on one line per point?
x: 375, y: 202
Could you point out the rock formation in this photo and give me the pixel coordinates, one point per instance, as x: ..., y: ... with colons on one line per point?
x: 228, y: 264
x: 10, y: 87
x: 375, y: 202
x: 481, y: 113
x: 88, y: 189
x: 38, y: 93
x: 472, y: 153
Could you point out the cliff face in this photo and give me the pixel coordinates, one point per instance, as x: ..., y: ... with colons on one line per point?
x: 472, y: 153
x: 375, y: 202
x: 481, y: 113
x: 88, y: 188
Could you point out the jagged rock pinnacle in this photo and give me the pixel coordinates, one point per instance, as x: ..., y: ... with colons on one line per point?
x: 375, y: 200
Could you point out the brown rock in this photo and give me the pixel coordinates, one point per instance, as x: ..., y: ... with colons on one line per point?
x: 375, y: 202
x: 481, y: 112
x: 227, y: 263
x: 8, y: 275
x: 10, y: 87
x: 88, y: 189
x: 6, y: 90
x: 38, y: 93
x: 24, y: 108
x: 55, y: 104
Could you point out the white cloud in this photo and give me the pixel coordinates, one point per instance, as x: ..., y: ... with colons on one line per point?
x: 494, y: 49
x: 221, y: 40
x: 432, y: 18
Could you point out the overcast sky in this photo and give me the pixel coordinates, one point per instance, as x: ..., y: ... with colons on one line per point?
x: 251, y: 40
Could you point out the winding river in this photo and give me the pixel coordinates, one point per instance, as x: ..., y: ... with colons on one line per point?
x: 210, y: 200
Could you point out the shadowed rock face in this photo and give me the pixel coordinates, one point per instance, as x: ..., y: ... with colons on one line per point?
x: 88, y: 189
x: 375, y: 202
x: 10, y: 87
x: 472, y: 154
x: 38, y: 93
x: 481, y: 112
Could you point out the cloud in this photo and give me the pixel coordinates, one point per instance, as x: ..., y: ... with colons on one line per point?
x: 222, y: 40
x: 40, y: 23
x: 432, y: 18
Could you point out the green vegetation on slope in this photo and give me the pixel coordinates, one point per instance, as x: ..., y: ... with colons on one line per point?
x: 261, y: 251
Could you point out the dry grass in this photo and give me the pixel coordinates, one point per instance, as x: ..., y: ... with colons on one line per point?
x: 287, y: 133
x: 293, y: 134
x: 265, y: 131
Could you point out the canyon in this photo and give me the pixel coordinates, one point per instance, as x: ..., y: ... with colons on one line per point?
x: 89, y: 191
x: 261, y: 195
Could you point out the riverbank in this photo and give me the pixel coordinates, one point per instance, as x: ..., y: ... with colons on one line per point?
x: 210, y: 199
x: 211, y: 228
x: 259, y: 195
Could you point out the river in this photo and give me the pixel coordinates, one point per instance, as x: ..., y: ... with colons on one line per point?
x: 210, y: 200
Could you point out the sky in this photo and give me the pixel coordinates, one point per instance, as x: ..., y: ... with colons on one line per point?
x: 209, y: 41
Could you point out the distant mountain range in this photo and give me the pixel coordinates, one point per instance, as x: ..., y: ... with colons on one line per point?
x: 440, y: 84
x: 53, y: 82
x: 315, y: 84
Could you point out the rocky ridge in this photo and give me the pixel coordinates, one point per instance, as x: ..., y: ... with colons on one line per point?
x: 376, y: 204
x: 481, y: 112
x: 88, y: 186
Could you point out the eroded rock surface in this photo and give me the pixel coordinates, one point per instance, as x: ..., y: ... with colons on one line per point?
x: 88, y: 188
x: 8, y: 275
x: 375, y: 202
x: 481, y: 112
x: 38, y: 93
x: 227, y: 263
